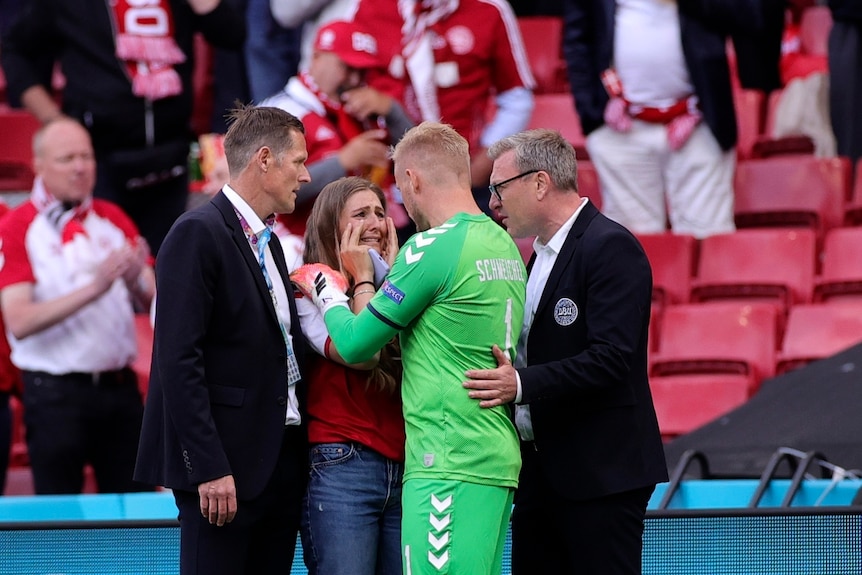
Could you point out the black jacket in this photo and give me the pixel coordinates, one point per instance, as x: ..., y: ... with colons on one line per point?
x: 846, y: 10
x: 218, y: 383
x: 98, y: 91
x: 586, y: 382
x: 705, y: 25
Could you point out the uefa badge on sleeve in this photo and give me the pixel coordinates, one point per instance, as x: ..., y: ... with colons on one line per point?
x: 565, y: 312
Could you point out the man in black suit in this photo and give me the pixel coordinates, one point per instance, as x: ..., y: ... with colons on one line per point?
x: 591, y: 449
x: 224, y: 423
x: 652, y: 86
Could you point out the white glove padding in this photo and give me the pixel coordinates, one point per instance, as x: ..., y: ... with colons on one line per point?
x: 322, y: 284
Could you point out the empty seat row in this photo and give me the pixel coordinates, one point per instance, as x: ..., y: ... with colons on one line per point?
x: 783, y: 265
x: 712, y: 357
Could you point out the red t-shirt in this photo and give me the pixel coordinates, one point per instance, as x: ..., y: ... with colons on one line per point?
x: 478, y: 51
x: 343, y: 409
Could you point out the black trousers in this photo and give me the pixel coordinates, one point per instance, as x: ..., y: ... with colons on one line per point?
x: 554, y: 535
x: 845, y: 87
x: 79, y: 418
x: 261, y: 539
x: 153, y: 208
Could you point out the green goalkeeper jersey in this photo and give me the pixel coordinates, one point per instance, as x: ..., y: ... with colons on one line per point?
x: 453, y: 292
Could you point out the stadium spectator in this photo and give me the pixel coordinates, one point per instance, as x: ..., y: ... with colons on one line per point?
x: 132, y: 91
x: 458, y: 61
x: 225, y: 422
x: 10, y: 384
x: 652, y: 88
x: 461, y: 62
x: 456, y: 288
x: 352, y: 511
x: 269, y: 57
x: 348, y: 125
x: 579, y: 381
x: 74, y: 269
x: 845, y: 79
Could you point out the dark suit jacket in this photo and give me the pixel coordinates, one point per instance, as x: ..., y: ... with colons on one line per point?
x: 218, y: 385
x: 705, y: 25
x: 586, y: 381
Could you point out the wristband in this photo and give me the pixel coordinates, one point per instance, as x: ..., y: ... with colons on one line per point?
x: 362, y: 292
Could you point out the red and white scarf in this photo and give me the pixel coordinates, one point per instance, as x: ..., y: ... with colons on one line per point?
x: 68, y: 220
x: 346, y: 125
x: 77, y: 248
x: 144, y: 36
x: 418, y: 16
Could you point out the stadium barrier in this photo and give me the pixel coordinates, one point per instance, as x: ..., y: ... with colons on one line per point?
x: 704, y: 531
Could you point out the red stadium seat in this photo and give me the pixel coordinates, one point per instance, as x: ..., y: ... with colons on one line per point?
x: 771, y: 264
x: 18, y: 451
x: 588, y: 183
x: 792, y: 191
x: 711, y: 358
x: 816, y: 331
x: 685, y: 402
x: 543, y: 41
x: 766, y: 145
x: 737, y: 338
x: 673, y: 258
x: 202, y: 86
x: 841, y: 274
x: 749, y: 107
x: 16, y: 149
x: 557, y: 112
x: 525, y: 246
x: 141, y: 365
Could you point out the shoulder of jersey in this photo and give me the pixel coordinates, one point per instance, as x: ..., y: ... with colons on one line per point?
x: 420, y: 242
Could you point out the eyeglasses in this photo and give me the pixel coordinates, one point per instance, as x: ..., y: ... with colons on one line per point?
x: 495, y: 188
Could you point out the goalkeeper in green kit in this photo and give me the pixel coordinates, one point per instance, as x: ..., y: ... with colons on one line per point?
x: 456, y: 288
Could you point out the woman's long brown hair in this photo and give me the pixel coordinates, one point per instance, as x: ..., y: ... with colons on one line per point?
x: 322, y: 245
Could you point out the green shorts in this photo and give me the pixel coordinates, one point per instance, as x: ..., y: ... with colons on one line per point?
x: 454, y: 527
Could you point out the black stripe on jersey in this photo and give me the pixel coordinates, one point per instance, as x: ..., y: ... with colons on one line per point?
x: 385, y: 320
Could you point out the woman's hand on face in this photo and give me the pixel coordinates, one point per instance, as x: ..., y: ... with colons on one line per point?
x: 390, y: 250
x: 355, y: 261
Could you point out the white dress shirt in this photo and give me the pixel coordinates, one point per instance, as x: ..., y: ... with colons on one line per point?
x: 257, y: 225
x: 546, y: 257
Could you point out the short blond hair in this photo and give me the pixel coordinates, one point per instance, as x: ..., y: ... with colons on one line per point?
x: 433, y: 144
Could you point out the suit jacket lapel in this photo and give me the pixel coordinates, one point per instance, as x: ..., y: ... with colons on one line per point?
x: 239, y: 238
x: 564, y: 259
x: 281, y: 265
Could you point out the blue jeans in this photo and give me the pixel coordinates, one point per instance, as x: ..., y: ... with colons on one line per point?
x: 351, y: 521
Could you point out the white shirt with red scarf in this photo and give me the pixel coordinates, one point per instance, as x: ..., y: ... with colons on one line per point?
x: 101, y: 335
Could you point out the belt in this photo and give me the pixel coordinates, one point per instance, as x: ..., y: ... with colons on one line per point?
x: 96, y: 378
x: 664, y: 115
